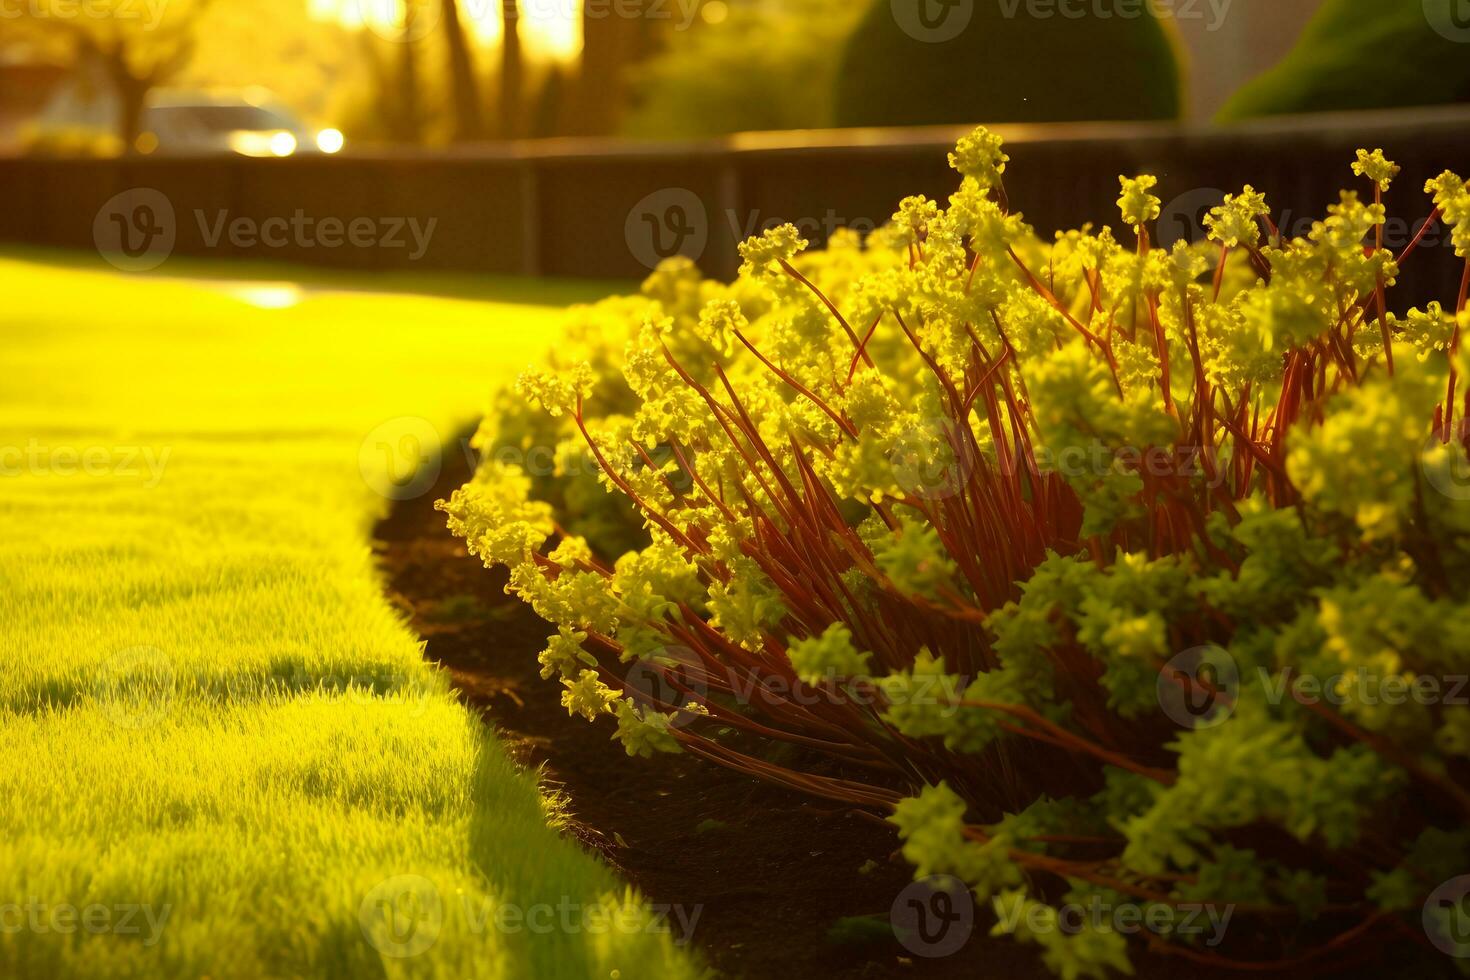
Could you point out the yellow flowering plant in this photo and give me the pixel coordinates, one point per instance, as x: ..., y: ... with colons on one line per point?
x: 1028, y: 545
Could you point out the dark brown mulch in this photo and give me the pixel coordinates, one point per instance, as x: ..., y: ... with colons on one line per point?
x: 774, y: 872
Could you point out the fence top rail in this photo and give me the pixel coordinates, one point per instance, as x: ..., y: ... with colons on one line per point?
x: 1385, y: 125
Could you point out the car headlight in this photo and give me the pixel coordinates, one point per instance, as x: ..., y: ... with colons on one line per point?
x: 283, y: 144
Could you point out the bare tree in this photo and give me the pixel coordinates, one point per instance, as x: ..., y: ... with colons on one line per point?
x: 135, y: 47
x: 512, y: 72
x: 464, y: 88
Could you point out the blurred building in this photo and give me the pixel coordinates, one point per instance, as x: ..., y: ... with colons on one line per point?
x: 26, y: 86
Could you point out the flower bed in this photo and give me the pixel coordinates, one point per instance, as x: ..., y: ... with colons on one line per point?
x: 1111, y: 575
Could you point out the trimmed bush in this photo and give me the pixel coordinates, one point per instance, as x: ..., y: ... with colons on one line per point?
x: 1112, y: 576
x: 1412, y: 64
x: 1008, y: 66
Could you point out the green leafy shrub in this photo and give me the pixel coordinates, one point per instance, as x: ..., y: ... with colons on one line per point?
x: 1089, y: 565
x: 768, y: 66
x: 1413, y: 62
x: 1007, y: 66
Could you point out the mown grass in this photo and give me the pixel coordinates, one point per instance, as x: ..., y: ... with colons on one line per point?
x: 211, y: 715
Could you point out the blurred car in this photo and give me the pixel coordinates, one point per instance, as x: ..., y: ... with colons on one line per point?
x: 247, y: 124
x: 183, y: 122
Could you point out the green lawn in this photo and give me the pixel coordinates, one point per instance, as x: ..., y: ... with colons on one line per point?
x: 224, y: 755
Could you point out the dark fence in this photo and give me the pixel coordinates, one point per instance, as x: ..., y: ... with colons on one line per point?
x: 604, y: 209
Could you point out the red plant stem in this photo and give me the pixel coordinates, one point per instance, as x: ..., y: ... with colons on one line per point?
x: 862, y: 350
x: 842, y: 423
x: 1065, y: 738
x: 794, y: 273
x: 1389, y: 751
x: 1161, y: 344
x: 1269, y: 966
x: 658, y: 518
x: 1051, y: 298
x: 1449, y: 400
x: 1423, y: 229
x: 1383, y: 324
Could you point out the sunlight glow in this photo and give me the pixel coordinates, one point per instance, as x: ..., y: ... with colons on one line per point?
x: 551, y: 30
x: 267, y: 295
